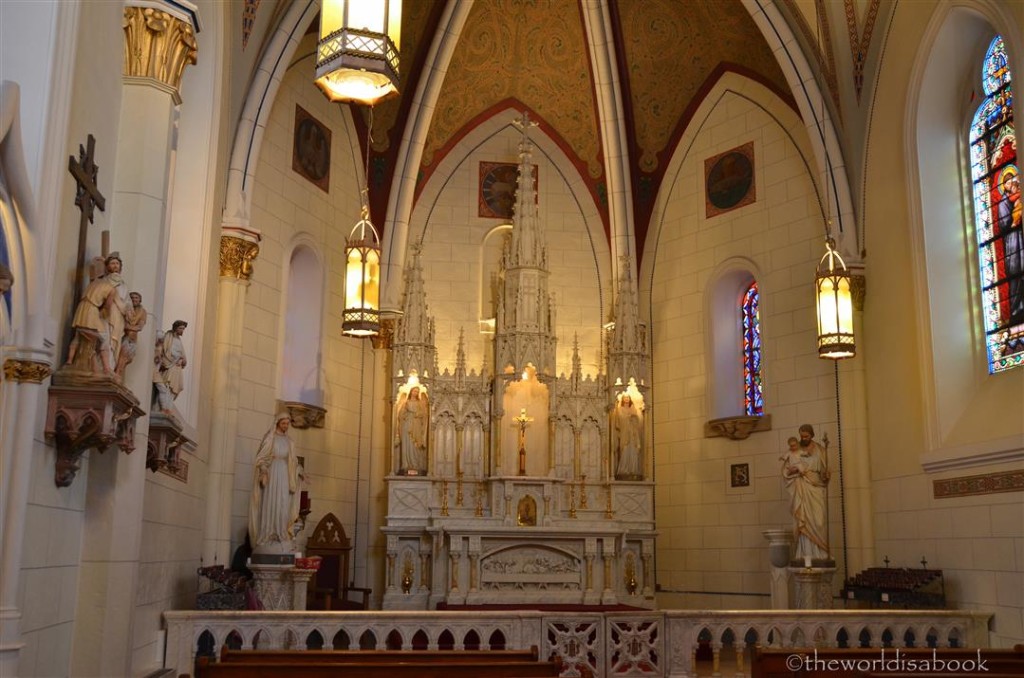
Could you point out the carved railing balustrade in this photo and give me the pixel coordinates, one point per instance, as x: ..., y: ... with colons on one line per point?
x: 659, y: 644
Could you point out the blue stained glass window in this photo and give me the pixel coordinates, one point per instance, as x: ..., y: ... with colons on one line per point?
x: 997, y: 208
x: 752, y: 397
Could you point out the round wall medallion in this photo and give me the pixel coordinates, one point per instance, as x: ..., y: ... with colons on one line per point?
x: 498, y: 190
x: 730, y: 180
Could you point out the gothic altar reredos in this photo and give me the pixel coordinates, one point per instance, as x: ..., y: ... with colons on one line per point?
x: 515, y: 485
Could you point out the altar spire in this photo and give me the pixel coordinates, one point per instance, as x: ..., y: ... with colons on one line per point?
x: 627, y: 341
x: 524, y: 327
x: 414, y: 347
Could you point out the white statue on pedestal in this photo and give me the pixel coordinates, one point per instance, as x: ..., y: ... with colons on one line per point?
x: 805, y: 472
x: 412, y: 416
x: 628, y: 433
x: 274, y: 506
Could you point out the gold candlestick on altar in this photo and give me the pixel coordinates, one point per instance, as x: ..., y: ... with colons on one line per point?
x: 608, y: 513
x: 583, y: 491
x: 522, y: 421
x: 572, y: 500
x: 458, y: 488
x: 444, y: 497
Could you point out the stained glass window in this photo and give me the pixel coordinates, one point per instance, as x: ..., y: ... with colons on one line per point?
x: 752, y: 398
x: 995, y: 181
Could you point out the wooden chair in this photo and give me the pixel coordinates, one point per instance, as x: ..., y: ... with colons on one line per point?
x: 329, y: 589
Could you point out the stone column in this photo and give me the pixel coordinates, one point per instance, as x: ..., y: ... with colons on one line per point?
x: 856, y: 455
x: 780, y: 545
x: 608, y: 597
x: 21, y: 391
x: 379, y: 454
x: 159, y: 42
x: 238, y: 248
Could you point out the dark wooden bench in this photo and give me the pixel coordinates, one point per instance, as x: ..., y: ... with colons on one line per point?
x: 856, y: 662
x: 377, y: 656
x: 206, y: 668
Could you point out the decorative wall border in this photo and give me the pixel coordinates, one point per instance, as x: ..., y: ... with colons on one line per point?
x: 984, y: 483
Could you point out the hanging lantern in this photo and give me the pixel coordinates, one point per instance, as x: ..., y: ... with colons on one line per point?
x: 357, y: 54
x: 835, y: 306
x: 361, y: 317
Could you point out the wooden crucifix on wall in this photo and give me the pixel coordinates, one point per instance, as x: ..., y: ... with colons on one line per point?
x: 87, y: 196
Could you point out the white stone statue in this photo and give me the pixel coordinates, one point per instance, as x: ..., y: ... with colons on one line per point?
x: 91, y: 323
x: 135, y: 320
x: 119, y: 305
x: 628, y: 433
x: 168, y: 377
x: 412, y: 417
x: 274, y: 505
x: 805, y: 472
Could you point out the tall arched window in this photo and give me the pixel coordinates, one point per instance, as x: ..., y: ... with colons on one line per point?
x: 752, y: 399
x: 997, y: 206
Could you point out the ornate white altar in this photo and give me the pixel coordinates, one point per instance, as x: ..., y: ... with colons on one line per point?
x: 514, y: 485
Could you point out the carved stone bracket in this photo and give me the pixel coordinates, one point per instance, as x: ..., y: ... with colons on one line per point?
x: 305, y: 416
x: 32, y: 371
x: 157, y: 46
x: 167, y: 441
x: 737, y: 428
x: 236, y: 257
x: 86, y: 413
x: 858, y: 290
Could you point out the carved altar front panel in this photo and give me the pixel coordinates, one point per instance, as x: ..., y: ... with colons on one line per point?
x: 539, y: 568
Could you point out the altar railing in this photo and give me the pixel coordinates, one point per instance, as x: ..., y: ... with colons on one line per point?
x: 664, y: 643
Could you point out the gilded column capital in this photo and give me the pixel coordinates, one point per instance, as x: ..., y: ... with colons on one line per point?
x: 236, y: 256
x: 385, y: 338
x: 157, y: 46
x: 22, y: 370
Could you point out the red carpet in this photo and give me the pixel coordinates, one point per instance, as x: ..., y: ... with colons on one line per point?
x: 542, y: 607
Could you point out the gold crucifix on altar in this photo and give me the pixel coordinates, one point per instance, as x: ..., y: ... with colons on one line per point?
x: 522, y: 421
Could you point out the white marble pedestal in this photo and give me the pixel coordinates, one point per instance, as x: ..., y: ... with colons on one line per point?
x: 780, y: 544
x: 813, y: 589
x: 281, y: 587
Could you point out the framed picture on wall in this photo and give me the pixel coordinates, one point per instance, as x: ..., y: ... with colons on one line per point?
x: 739, y: 476
x: 729, y: 180
x: 311, y: 149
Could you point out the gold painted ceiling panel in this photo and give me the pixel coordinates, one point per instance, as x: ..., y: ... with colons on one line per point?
x: 532, y: 50
x: 671, y: 48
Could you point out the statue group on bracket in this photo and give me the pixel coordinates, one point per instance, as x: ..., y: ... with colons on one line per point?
x: 106, y: 325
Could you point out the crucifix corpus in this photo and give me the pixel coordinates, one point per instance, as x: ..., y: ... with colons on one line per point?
x: 522, y: 421
x: 87, y: 196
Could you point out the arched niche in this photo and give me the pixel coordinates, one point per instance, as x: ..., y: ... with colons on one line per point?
x: 303, y: 310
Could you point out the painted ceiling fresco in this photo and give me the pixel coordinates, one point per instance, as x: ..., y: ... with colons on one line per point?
x: 671, y: 48
x: 531, y: 50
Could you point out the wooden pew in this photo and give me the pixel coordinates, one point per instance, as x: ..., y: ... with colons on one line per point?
x: 425, y: 669
x: 857, y: 662
x: 377, y: 656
